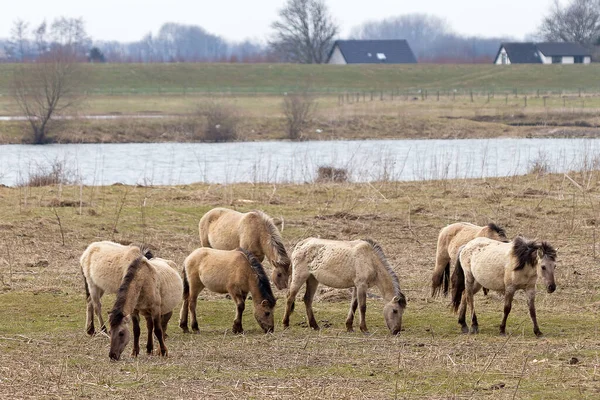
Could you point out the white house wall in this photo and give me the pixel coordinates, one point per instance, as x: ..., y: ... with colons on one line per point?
x: 587, y: 60
x: 499, y: 58
x: 568, y: 60
x: 337, y: 57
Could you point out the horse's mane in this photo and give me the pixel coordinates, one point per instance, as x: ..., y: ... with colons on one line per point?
x: 116, y: 315
x: 145, y: 250
x: 275, y: 240
x: 264, y: 286
x: 395, y: 282
x: 496, y: 228
x: 548, y: 250
x: 525, y: 252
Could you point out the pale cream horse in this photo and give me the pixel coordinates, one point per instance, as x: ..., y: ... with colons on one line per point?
x: 503, y: 267
x: 450, y: 239
x: 226, y: 229
x: 103, y: 266
x: 358, y: 264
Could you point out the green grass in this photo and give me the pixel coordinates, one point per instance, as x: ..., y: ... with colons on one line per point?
x: 278, y: 78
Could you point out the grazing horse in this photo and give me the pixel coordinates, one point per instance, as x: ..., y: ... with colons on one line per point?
x: 357, y: 264
x: 103, y: 266
x: 450, y: 239
x: 237, y: 272
x: 503, y: 267
x: 226, y: 229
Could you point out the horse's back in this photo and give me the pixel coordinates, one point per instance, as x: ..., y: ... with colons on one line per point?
x: 453, y: 236
x: 215, y: 268
x: 105, y: 263
x: 487, y: 260
x: 334, y: 263
x: 219, y: 229
x: 171, y: 284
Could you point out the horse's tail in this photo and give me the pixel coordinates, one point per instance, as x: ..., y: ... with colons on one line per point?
x: 440, y: 279
x: 458, y: 282
x: 186, y: 285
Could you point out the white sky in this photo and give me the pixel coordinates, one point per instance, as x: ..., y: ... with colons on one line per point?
x: 129, y: 20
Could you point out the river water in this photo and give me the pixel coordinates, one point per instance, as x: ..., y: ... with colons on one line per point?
x: 280, y: 162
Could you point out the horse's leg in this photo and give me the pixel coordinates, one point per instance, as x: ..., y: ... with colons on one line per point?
x: 462, y: 312
x: 311, y: 289
x: 361, y: 294
x: 193, y: 299
x: 158, y: 332
x: 135, y: 318
x: 475, y: 287
x: 150, y: 328
x: 297, y: 282
x: 89, y: 317
x: 508, y: 298
x: 240, y: 303
x: 532, y: 313
x: 165, y: 318
x: 353, y: 306
x: 183, y: 314
x: 96, y: 294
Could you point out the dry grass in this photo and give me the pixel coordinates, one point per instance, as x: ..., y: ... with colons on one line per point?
x: 45, y: 352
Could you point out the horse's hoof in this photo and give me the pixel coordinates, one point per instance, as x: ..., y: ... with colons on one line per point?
x: 350, y: 330
x: 91, y: 331
x: 502, y: 333
x: 196, y: 331
x: 474, y: 330
x: 538, y: 334
x: 315, y: 327
x: 464, y: 330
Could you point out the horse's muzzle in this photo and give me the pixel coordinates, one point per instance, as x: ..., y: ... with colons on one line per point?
x: 114, y: 357
x: 551, y: 288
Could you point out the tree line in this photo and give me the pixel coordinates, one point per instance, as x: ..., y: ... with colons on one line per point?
x: 304, y: 32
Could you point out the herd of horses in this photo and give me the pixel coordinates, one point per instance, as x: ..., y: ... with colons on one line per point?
x: 234, y: 245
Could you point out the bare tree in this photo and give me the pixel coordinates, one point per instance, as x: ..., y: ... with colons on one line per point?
x: 579, y: 21
x: 45, y: 89
x: 304, y: 32
x: 18, y: 45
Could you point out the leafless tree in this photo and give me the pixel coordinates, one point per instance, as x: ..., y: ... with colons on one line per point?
x: 46, y: 89
x: 578, y: 21
x: 18, y: 45
x: 305, y: 32
x: 297, y: 109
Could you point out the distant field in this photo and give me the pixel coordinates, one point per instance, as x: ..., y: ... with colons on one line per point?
x: 278, y: 78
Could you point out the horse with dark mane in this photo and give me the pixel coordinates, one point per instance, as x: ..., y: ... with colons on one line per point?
x: 450, y: 239
x: 226, y: 229
x: 237, y: 272
x: 503, y: 267
x: 359, y: 265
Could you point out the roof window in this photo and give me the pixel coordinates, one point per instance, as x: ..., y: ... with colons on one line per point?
x: 381, y: 56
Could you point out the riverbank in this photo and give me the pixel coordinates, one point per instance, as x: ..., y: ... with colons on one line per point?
x: 44, y: 230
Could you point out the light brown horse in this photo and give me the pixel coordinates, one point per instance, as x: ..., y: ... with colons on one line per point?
x: 226, y: 229
x: 503, y: 267
x: 357, y: 264
x: 103, y: 266
x: 450, y: 239
x: 236, y: 272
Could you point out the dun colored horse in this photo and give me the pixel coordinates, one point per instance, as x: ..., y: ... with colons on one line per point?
x: 358, y: 264
x: 237, y: 272
x: 450, y: 239
x: 226, y: 229
x: 140, y: 285
x: 504, y: 267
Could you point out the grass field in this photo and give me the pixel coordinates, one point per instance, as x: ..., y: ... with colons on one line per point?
x: 44, y: 351
x: 278, y: 78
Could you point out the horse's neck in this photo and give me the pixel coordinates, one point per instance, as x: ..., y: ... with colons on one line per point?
x: 133, y: 294
x: 257, y: 296
x: 384, y: 282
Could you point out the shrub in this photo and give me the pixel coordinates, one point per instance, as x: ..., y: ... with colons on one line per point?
x: 222, y: 122
x: 298, y: 109
x: 331, y: 174
x: 52, y: 174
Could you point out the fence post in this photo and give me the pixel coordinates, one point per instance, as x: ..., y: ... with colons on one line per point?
x: 472, y: 96
x: 438, y: 95
x: 525, y: 101
x: 381, y: 95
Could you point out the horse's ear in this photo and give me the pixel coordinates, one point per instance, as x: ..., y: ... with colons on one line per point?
x: 127, y: 319
x: 264, y: 303
x: 540, y: 253
x: 396, y: 299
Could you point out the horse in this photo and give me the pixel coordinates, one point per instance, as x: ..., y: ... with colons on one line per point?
x: 237, y: 272
x: 450, y: 239
x: 103, y: 266
x: 359, y: 265
x: 226, y: 229
x: 503, y: 267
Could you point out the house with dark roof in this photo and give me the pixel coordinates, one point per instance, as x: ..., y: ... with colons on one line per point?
x: 371, y: 52
x: 543, y: 53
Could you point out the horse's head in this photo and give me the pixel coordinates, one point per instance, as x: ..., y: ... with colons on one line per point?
x: 546, y: 265
x: 119, y: 338
x: 494, y: 232
x: 263, y: 312
x: 392, y: 312
x: 280, y: 276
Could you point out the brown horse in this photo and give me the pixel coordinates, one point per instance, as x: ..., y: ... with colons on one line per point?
x: 504, y: 267
x: 103, y: 266
x: 226, y: 229
x: 450, y: 239
x: 357, y: 264
x: 237, y: 272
